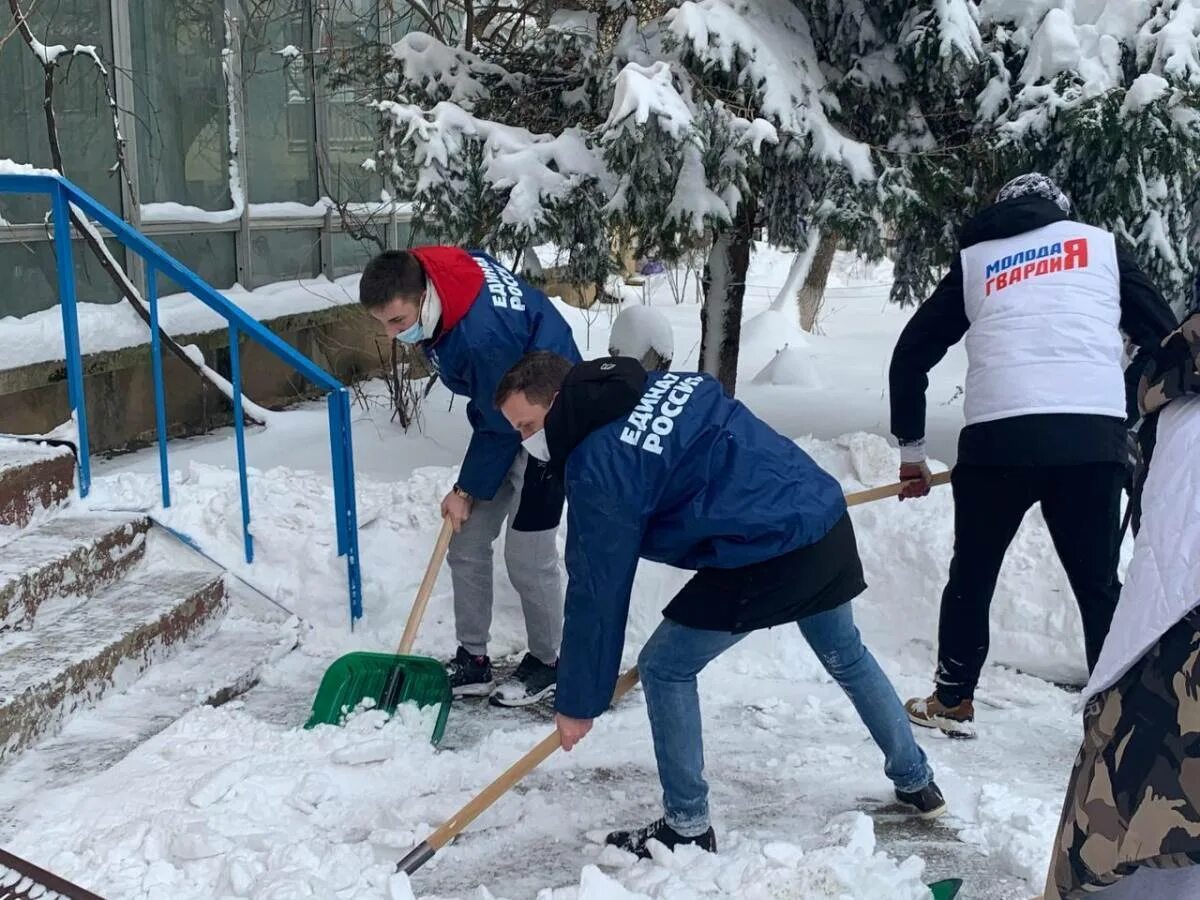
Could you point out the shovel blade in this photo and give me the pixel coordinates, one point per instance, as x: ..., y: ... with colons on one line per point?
x: 385, y: 678
x: 946, y: 890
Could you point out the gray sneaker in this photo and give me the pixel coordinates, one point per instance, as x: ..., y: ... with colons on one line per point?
x: 532, y: 681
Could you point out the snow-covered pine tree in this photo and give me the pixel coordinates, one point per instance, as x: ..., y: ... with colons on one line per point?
x: 500, y: 157
x: 762, y: 150
x: 689, y: 125
x: 1102, y: 96
x: 1105, y: 97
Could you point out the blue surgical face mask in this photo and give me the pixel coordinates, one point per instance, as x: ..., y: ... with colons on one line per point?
x: 413, y: 334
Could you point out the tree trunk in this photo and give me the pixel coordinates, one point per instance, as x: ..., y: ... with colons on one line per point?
x: 798, y: 272
x: 724, y: 292
x: 812, y: 294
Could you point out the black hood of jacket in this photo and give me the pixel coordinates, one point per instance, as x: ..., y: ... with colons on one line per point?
x: 1010, y: 218
x: 593, y: 394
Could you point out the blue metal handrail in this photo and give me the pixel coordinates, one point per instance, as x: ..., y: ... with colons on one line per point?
x: 64, y: 193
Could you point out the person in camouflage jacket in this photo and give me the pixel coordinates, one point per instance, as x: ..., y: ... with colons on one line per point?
x: 1130, y: 825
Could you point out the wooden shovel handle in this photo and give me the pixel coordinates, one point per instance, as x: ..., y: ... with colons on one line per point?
x: 890, y: 490
x: 514, y: 773
x: 431, y: 573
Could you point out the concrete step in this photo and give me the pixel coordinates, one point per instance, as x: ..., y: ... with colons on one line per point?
x: 33, y: 477
x: 211, y: 669
x: 102, y: 642
x: 67, y: 555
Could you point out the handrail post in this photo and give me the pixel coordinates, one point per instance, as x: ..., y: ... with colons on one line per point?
x: 66, y: 197
x: 65, y: 263
x: 345, y: 502
x: 239, y: 430
x: 353, y: 571
x: 337, y: 449
x: 160, y: 402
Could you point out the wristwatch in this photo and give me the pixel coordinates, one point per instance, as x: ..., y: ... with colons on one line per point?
x: 460, y: 492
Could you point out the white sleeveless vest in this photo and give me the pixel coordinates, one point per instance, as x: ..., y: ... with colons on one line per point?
x: 1044, y: 309
x: 1162, y: 584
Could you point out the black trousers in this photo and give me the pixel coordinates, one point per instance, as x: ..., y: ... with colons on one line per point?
x: 1081, y: 505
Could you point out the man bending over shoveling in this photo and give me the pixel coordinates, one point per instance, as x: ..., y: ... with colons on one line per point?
x: 474, y: 319
x: 665, y: 467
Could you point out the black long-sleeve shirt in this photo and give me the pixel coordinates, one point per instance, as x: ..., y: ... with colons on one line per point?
x: 1044, y: 439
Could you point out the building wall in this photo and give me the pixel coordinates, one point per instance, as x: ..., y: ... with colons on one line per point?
x: 119, y: 385
x: 226, y: 115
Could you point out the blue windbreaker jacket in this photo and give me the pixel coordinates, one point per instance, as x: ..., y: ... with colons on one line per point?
x: 490, y: 319
x: 690, y: 478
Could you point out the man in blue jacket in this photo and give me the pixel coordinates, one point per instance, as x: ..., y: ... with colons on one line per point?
x: 664, y: 466
x: 474, y: 319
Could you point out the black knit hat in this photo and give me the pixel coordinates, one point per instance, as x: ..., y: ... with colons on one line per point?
x: 1037, y: 185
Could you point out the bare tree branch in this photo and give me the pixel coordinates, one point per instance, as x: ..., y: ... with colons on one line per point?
x: 49, y: 62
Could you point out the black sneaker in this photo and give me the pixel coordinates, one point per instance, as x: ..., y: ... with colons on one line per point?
x: 532, y: 681
x: 470, y: 676
x: 635, y: 841
x: 928, y: 801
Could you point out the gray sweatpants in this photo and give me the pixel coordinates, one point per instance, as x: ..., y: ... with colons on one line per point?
x: 532, y: 561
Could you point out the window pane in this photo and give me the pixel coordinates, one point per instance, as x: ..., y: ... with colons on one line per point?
x: 284, y: 255
x: 84, y: 117
x: 351, y: 255
x: 209, y: 254
x: 31, y: 280
x: 278, y: 82
x: 181, y: 102
x: 353, y: 128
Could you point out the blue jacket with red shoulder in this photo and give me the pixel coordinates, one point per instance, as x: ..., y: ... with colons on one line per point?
x: 490, y: 319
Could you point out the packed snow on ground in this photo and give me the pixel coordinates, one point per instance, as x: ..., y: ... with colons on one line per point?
x: 240, y: 801
x: 639, y: 329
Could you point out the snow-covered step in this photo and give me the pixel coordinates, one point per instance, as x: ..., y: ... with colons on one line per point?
x: 77, y: 554
x: 104, y: 641
x: 211, y: 669
x: 19, y: 879
x: 32, y: 477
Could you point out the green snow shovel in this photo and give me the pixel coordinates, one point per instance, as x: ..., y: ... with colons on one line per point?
x: 389, y: 679
x: 946, y: 890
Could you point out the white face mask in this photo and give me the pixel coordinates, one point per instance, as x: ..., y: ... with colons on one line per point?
x: 536, y: 446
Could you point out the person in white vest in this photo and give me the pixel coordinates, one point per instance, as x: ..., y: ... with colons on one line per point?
x: 1044, y: 302
x: 1130, y: 826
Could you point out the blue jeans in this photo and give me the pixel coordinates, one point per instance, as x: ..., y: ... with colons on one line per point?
x: 674, y: 656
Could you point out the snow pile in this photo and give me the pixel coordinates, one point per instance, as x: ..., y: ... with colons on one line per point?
x: 792, y: 367
x: 221, y: 804
x: 842, y: 864
x: 766, y: 334
x: 640, y: 329
x: 292, y: 519
x: 1014, y: 828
